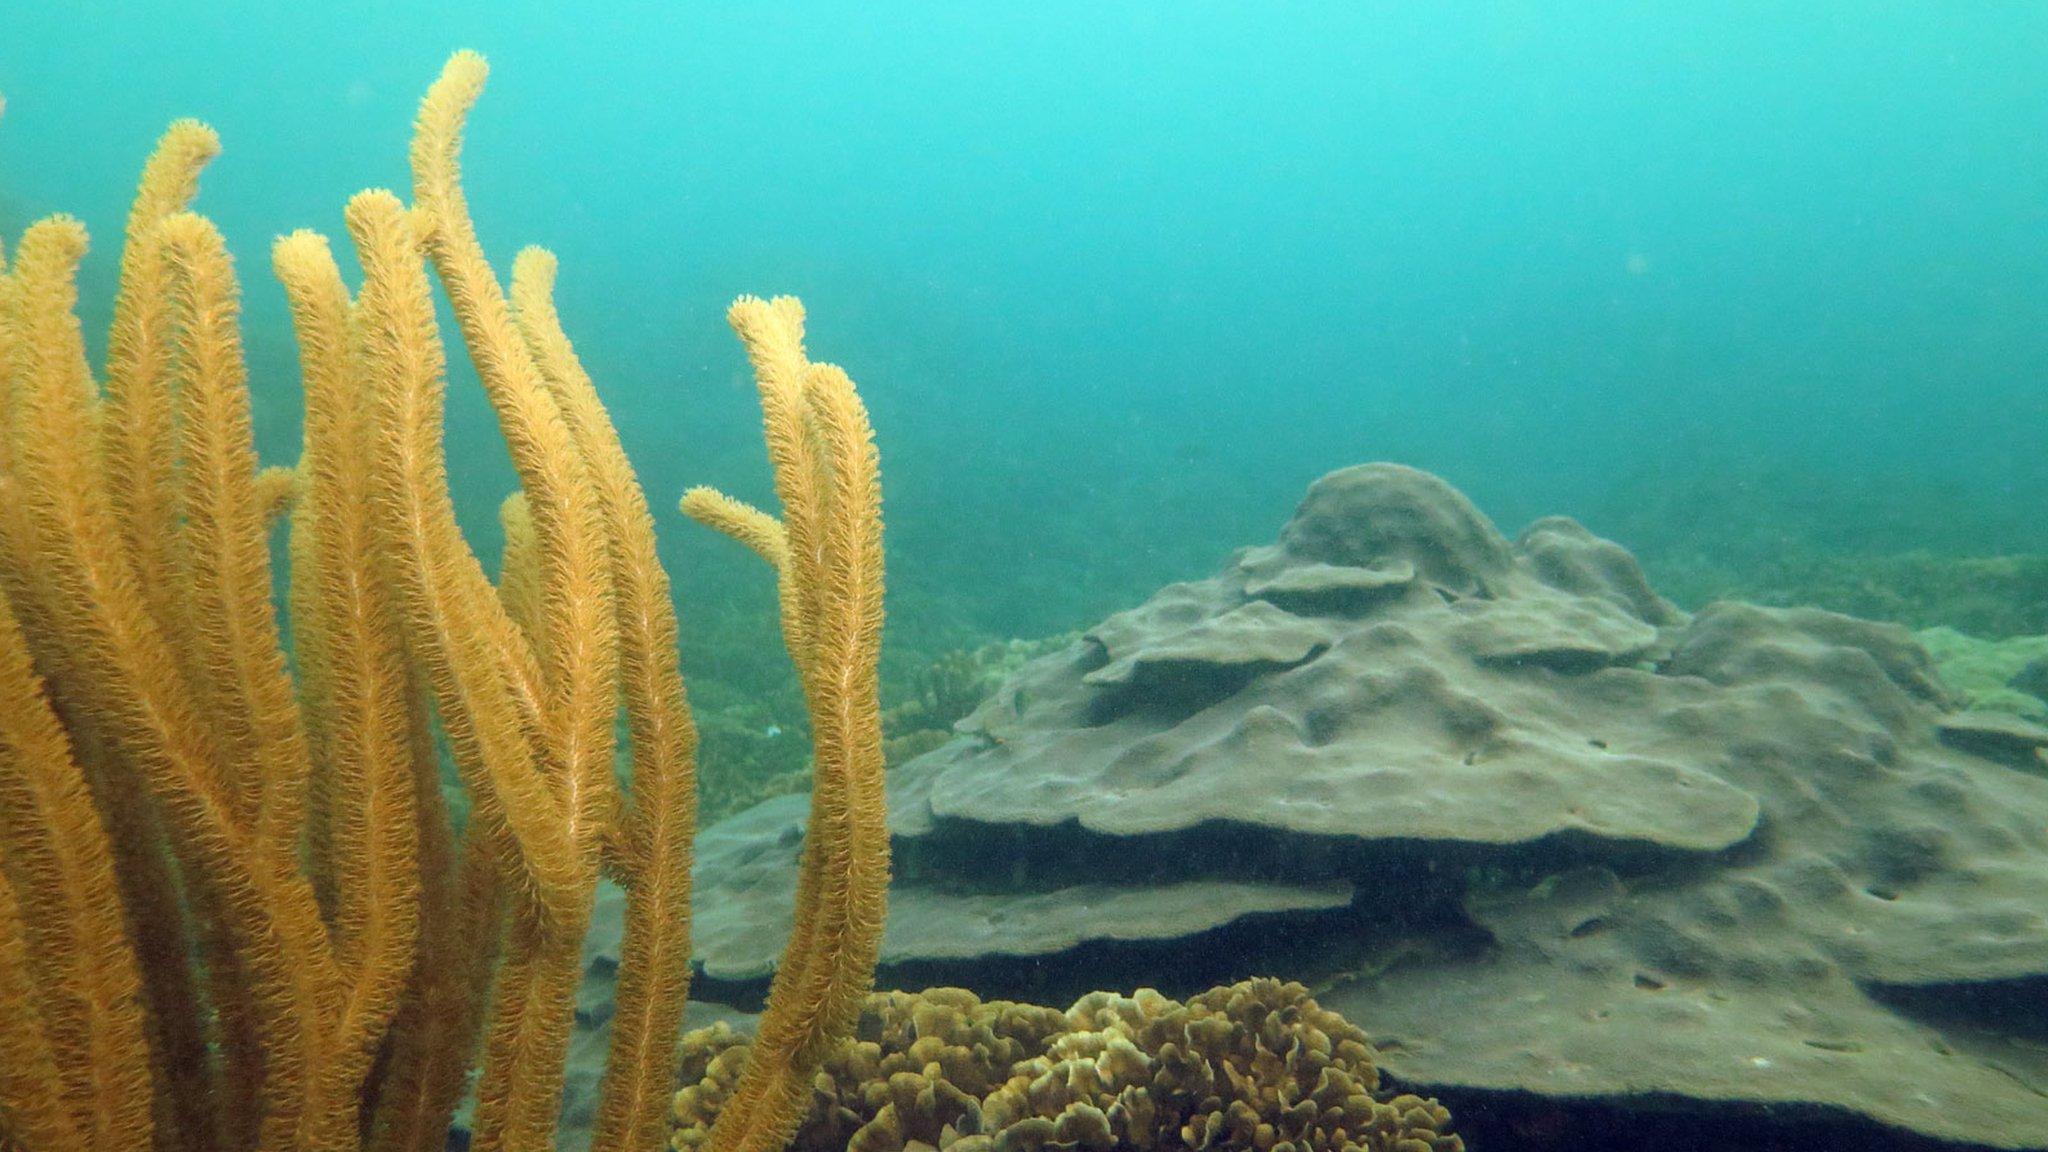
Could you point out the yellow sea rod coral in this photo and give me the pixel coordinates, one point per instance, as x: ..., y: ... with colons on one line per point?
x: 829, y: 548
x: 235, y: 913
x: 652, y: 841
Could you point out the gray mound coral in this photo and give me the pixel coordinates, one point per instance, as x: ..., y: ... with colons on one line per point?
x: 1256, y: 1065
x: 1539, y: 829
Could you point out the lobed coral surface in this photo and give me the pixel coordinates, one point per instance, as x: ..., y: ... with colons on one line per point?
x: 1541, y: 830
x: 1257, y: 1064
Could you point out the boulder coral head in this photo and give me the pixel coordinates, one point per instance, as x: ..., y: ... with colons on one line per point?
x: 1541, y: 830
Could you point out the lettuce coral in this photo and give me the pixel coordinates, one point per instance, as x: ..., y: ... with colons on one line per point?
x: 1257, y: 1064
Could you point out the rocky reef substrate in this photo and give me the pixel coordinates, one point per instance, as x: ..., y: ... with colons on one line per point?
x: 1541, y: 833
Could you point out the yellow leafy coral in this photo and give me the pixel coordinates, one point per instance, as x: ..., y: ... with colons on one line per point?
x: 234, y: 910
x: 1257, y: 1064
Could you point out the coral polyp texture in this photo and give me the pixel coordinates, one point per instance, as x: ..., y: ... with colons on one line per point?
x: 1255, y: 1065
x: 1538, y: 829
x: 235, y: 913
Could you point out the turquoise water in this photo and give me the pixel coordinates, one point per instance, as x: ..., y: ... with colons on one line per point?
x: 1118, y: 279
x: 1759, y: 290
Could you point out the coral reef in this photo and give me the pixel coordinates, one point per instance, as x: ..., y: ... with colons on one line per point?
x: 949, y: 688
x: 1255, y: 1065
x: 235, y: 912
x: 1538, y: 828
x: 751, y: 752
x: 1981, y: 595
x: 1991, y: 675
x: 749, y: 757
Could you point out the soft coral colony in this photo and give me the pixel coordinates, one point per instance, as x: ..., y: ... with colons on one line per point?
x: 235, y: 912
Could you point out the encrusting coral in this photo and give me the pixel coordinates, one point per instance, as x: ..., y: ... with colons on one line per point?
x: 1256, y: 1064
x: 234, y: 910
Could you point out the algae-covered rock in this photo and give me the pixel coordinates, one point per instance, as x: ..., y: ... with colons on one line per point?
x: 1992, y: 675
